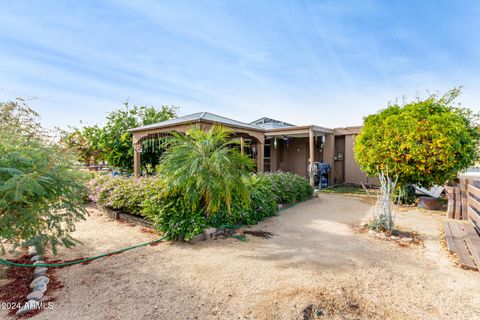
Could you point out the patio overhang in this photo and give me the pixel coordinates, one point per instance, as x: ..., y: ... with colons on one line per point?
x: 310, y: 132
x: 203, y: 120
x: 297, y: 131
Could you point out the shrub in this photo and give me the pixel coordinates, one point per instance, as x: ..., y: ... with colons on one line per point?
x: 288, y: 187
x: 177, y: 218
x: 41, y: 194
x: 266, y: 192
x: 123, y: 193
x: 174, y: 217
x: 262, y: 205
x: 424, y: 142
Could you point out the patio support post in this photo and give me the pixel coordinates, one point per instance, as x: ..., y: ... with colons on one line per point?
x: 260, y: 156
x: 136, y: 161
x: 137, y: 151
x: 242, y: 151
x: 311, y: 160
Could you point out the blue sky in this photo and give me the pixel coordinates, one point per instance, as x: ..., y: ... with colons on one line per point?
x: 323, y: 62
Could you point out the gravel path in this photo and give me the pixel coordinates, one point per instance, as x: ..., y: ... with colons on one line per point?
x: 313, y: 258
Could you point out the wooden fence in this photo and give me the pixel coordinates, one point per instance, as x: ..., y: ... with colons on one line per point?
x: 455, y: 209
x: 463, y: 237
x: 464, y: 200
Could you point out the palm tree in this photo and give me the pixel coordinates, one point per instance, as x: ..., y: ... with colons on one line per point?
x: 206, y: 169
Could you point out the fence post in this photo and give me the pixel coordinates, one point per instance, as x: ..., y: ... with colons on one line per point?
x: 451, y: 202
x: 458, y: 204
x: 463, y: 195
x: 467, y: 193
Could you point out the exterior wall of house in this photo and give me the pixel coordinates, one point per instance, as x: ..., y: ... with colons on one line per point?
x: 294, y: 157
x: 291, y: 158
x: 337, y: 151
x: 329, y: 154
x: 339, y: 167
x: 353, y: 174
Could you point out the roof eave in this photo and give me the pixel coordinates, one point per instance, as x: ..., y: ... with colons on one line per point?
x: 296, y: 128
x: 139, y: 129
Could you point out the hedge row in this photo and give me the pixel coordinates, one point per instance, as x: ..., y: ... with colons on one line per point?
x: 176, y: 219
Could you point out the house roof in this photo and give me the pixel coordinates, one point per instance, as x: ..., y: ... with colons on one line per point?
x: 199, y: 117
x: 348, y: 130
x: 269, y: 123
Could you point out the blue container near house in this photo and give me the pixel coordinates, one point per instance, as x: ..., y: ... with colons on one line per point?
x: 321, y: 175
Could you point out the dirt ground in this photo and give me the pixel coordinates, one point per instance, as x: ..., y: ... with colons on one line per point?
x: 313, y: 267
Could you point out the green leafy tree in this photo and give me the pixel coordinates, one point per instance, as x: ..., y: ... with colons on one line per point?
x: 41, y: 196
x: 116, y: 142
x: 85, y: 143
x: 205, y: 169
x: 17, y: 118
x: 425, y: 142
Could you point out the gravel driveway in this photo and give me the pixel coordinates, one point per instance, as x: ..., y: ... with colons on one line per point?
x: 314, y: 264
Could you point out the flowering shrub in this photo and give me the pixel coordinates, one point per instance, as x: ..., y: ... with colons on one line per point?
x: 177, y: 219
x: 288, y: 187
x: 123, y: 193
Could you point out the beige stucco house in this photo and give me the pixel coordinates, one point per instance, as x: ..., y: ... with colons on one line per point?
x: 274, y: 144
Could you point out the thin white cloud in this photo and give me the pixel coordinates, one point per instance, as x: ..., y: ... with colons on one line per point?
x: 327, y: 63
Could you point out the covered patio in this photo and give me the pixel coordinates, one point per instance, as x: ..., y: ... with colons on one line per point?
x: 296, y: 148
x: 205, y: 120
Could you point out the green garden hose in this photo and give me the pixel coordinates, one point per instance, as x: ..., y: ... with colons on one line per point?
x: 69, y: 263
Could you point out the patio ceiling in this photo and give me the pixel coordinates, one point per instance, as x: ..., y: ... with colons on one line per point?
x: 298, y: 131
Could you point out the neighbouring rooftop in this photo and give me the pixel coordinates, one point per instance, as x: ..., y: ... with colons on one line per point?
x: 269, y: 123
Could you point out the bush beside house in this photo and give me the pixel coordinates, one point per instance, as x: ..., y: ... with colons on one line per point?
x: 203, y: 181
x: 424, y: 142
x: 176, y: 218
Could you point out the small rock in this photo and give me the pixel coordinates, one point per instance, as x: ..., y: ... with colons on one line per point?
x: 27, y: 307
x: 406, y: 239
x: 32, y: 251
x: 40, y: 275
x: 382, y: 236
x: 42, y: 287
x: 209, y: 232
x: 372, y: 233
x: 41, y: 279
x: 36, y: 258
x: 39, y: 262
x: 35, y: 295
x: 199, y: 237
x: 219, y: 232
x: 395, y: 238
x: 40, y: 271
